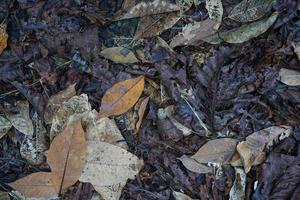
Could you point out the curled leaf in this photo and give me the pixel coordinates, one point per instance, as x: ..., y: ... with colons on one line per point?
x: 119, y: 55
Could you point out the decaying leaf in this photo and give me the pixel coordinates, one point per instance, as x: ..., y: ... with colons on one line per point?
x: 21, y: 121
x: 66, y: 159
x: 146, y: 8
x: 250, y: 10
x: 3, y: 36
x: 194, y: 32
x: 56, y: 101
x: 194, y: 166
x: 186, y: 4
x: 216, y: 151
x: 5, y: 125
x: 121, y: 97
x: 4, y: 196
x: 180, y: 196
x: 237, y: 191
x: 244, y: 32
x: 252, y: 150
x: 119, y: 55
x: 296, y: 46
x: 289, y: 77
x: 153, y: 25
x: 141, y: 112
x: 108, y: 167
x: 215, y: 11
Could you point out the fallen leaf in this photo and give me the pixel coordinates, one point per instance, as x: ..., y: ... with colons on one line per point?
x: 146, y: 8
x: 3, y: 37
x: 237, y: 191
x: 153, y: 25
x: 119, y: 55
x: 4, y: 196
x: 289, y: 77
x: 121, y: 97
x: 187, y: 4
x: 194, y: 166
x: 215, y: 11
x: 193, y: 33
x: 66, y: 160
x: 5, y: 125
x: 296, y: 46
x: 252, y: 150
x: 56, y: 101
x: 21, y: 121
x: 141, y: 113
x: 244, y: 32
x: 250, y: 10
x: 216, y: 151
x: 180, y: 196
x: 108, y: 166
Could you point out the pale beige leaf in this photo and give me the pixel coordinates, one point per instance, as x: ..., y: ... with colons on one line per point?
x: 250, y: 10
x: 194, y: 166
x: 112, y: 192
x: 216, y: 151
x: 108, y: 165
x: 119, y: 55
x: 56, y: 101
x: 4, y: 196
x: 5, y: 125
x: 237, y: 191
x: 289, y: 77
x: 121, y: 97
x: 180, y: 196
x: 244, y: 32
x: 36, y: 185
x: 21, y: 121
x: 66, y: 156
x: 296, y: 46
x: 215, y: 11
x: 252, y: 150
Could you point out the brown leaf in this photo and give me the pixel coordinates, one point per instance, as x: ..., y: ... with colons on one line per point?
x: 216, y: 151
x: 141, y: 112
x: 66, y: 156
x: 36, y: 185
x: 121, y: 97
x: 119, y: 55
x: 252, y: 150
x: 3, y: 37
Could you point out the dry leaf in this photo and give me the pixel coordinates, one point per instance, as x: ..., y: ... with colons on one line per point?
x: 194, y: 166
x: 180, y: 196
x: 193, y: 33
x: 121, y: 97
x: 22, y: 121
x: 5, y: 125
x: 56, y: 101
x: 66, y: 159
x: 296, y: 46
x: 252, y: 150
x: 216, y: 151
x: 146, y: 8
x: 289, y: 77
x: 119, y: 55
x: 109, y: 166
x: 237, y: 191
x: 250, y: 10
x: 215, y: 11
x: 141, y: 112
x: 244, y: 32
x: 3, y: 37
x: 4, y: 196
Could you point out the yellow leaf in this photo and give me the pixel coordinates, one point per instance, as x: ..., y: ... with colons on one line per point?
x: 119, y: 55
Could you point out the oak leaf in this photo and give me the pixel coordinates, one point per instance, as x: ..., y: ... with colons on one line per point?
x: 121, y: 97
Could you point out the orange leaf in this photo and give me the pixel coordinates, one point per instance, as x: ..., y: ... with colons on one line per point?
x: 36, y: 185
x: 121, y: 97
x: 3, y: 37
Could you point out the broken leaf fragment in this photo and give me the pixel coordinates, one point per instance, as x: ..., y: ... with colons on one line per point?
x: 244, y: 32
x: 180, y: 196
x: 289, y: 77
x: 252, y: 149
x: 5, y: 125
x: 3, y: 36
x: 237, y: 191
x: 119, y: 55
x: 215, y: 12
x: 121, y: 97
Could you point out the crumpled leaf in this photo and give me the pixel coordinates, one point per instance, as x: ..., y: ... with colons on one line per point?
x: 252, y: 150
x: 250, y: 10
x: 21, y: 121
x: 5, y: 125
x: 146, y: 8
x: 216, y: 151
x: 108, y: 167
x: 119, y: 55
x: 289, y: 77
x: 66, y: 159
x: 244, y: 32
x: 180, y: 196
x: 3, y: 36
x: 194, y: 166
x: 75, y: 108
x: 237, y: 191
x: 121, y: 97
x: 57, y: 100
x: 215, y: 11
